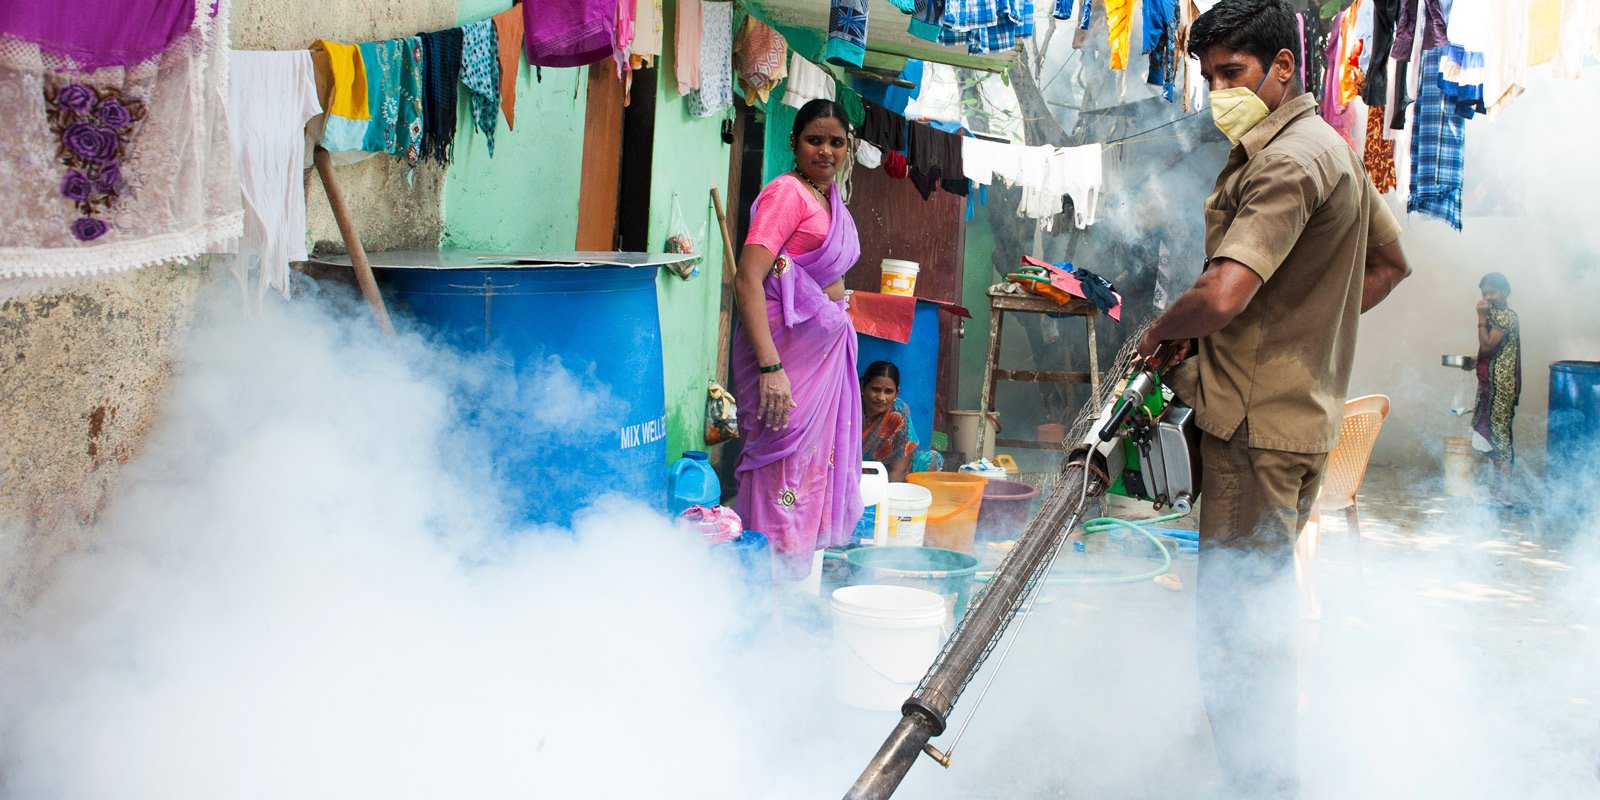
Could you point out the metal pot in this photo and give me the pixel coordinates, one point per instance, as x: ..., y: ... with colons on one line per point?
x: 1459, y: 362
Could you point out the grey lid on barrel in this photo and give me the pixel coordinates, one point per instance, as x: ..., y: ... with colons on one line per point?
x: 489, y: 259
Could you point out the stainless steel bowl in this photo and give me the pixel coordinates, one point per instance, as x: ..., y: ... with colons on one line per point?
x: 1459, y: 362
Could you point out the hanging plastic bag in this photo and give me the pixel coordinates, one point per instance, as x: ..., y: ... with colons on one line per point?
x: 722, y: 415
x: 679, y: 240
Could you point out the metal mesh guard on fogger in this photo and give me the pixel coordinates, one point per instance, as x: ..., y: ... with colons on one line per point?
x: 926, y: 712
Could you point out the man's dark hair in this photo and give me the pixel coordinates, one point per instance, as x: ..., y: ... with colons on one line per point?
x: 1258, y: 28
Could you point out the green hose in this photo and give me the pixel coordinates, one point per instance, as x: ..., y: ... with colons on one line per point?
x: 1103, y: 524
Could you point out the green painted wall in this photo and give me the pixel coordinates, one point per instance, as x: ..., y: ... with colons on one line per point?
x: 977, y: 276
x: 689, y: 159
x: 526, y: 196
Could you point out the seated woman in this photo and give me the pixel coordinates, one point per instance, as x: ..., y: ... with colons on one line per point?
x: 886, y: 431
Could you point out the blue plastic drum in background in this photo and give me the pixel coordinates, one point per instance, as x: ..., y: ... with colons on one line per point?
x: 1573, y: 440
x: 918, y: 362
x: 579, y: 409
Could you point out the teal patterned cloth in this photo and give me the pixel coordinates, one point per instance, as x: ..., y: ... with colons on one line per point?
x: 394, y: 97
x: 480, y: 73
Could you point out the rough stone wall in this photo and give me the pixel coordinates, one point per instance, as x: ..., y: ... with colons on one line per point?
x: 82, y: 370
x: 81, y: 376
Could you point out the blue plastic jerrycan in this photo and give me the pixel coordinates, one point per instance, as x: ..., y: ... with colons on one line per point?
x: 692, y: 482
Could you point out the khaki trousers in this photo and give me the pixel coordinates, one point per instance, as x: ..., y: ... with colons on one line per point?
x: 1253, y: 504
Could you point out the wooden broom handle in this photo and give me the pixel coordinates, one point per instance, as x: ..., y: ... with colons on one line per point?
x: 352, y: 241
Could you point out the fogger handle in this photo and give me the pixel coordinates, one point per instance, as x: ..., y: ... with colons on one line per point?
x: 1119, y: 416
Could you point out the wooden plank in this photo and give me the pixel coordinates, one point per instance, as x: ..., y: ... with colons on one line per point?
x: 1043, y: 376
x: 1035, y: 304
x: 602, y: 160
x: 1028, y: 443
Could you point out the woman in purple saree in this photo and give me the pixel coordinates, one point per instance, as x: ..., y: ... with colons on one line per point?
x: 794, y: 353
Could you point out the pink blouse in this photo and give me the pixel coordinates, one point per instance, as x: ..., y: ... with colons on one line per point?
x: 789, y: 216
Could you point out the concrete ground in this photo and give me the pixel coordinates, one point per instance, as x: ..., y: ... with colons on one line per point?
x: 1455, y: 657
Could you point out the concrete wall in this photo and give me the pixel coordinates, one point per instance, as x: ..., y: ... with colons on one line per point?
x: 81, y: 375
x: 1531, y: 162
x: 689, y: 160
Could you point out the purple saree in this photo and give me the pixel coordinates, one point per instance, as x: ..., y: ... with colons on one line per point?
x: 801, y: 486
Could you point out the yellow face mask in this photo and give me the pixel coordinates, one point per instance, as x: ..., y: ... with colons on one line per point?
x: 1235, y: 111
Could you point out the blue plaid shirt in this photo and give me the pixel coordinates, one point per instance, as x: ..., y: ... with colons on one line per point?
x: 1011, y: 20
x: 1437, y: 141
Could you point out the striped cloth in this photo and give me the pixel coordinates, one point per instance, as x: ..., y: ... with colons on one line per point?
x: 441, y: 71
x: 1437, y: 141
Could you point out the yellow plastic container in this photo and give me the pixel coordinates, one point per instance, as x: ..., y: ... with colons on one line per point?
x: 899, y: 277
x: 953, y: 517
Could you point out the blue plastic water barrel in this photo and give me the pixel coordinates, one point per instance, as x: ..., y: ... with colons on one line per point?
x: 1574, y: 417
x: 581, y: 347
x: 918, y: 360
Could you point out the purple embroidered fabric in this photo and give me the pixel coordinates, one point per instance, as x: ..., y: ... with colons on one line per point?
x: 90, y: 34
x: 94, y: 128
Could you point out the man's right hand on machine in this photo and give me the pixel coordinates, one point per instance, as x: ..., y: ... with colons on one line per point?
x: 1175, y: 351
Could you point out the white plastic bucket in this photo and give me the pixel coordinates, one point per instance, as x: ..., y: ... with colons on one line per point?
x: 874, y: 493
x: 899, y: 277
x: 884, y: 640
x: 908, y: 506
x: 1460, y: 467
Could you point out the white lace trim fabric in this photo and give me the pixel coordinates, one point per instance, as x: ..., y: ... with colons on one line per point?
x: 118, y: 168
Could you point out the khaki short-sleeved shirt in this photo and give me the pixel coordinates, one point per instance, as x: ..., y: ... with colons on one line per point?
x: 1295, y: 206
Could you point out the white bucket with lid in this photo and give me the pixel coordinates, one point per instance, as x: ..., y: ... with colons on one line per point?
x: 908, y: 506
x: 884, y: 640
x: 899, y: 277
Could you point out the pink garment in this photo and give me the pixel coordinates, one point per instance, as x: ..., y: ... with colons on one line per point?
x: 686, y: 61
x: 89, y: 34
x: 790, y: 217
x: 623, y: 50
x: 1337, y: 113
x: 801, y: 486
x: 568, y: 34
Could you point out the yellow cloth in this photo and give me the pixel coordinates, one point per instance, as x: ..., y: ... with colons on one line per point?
x: 1119, y: 20
x: 1544, y: 30
x: 349, y: 96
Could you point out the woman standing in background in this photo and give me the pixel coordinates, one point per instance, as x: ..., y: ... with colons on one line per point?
x: 1499, y: 368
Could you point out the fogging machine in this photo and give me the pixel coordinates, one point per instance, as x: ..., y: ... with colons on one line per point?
x: 1143, y: 444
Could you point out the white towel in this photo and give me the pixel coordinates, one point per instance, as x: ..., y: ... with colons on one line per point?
x: 806, y: 82
x: 270, y: 97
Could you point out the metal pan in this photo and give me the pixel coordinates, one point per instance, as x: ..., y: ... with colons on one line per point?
x: 1459, y: 362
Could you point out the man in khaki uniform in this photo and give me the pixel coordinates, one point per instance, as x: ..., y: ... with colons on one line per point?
x: 1298, y: 245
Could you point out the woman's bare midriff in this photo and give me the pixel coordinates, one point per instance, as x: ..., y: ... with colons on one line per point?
x: 835, y: 290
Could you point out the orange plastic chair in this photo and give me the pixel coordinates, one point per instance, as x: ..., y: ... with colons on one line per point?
x: 1341, y: 479
x: 1347, y: 464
